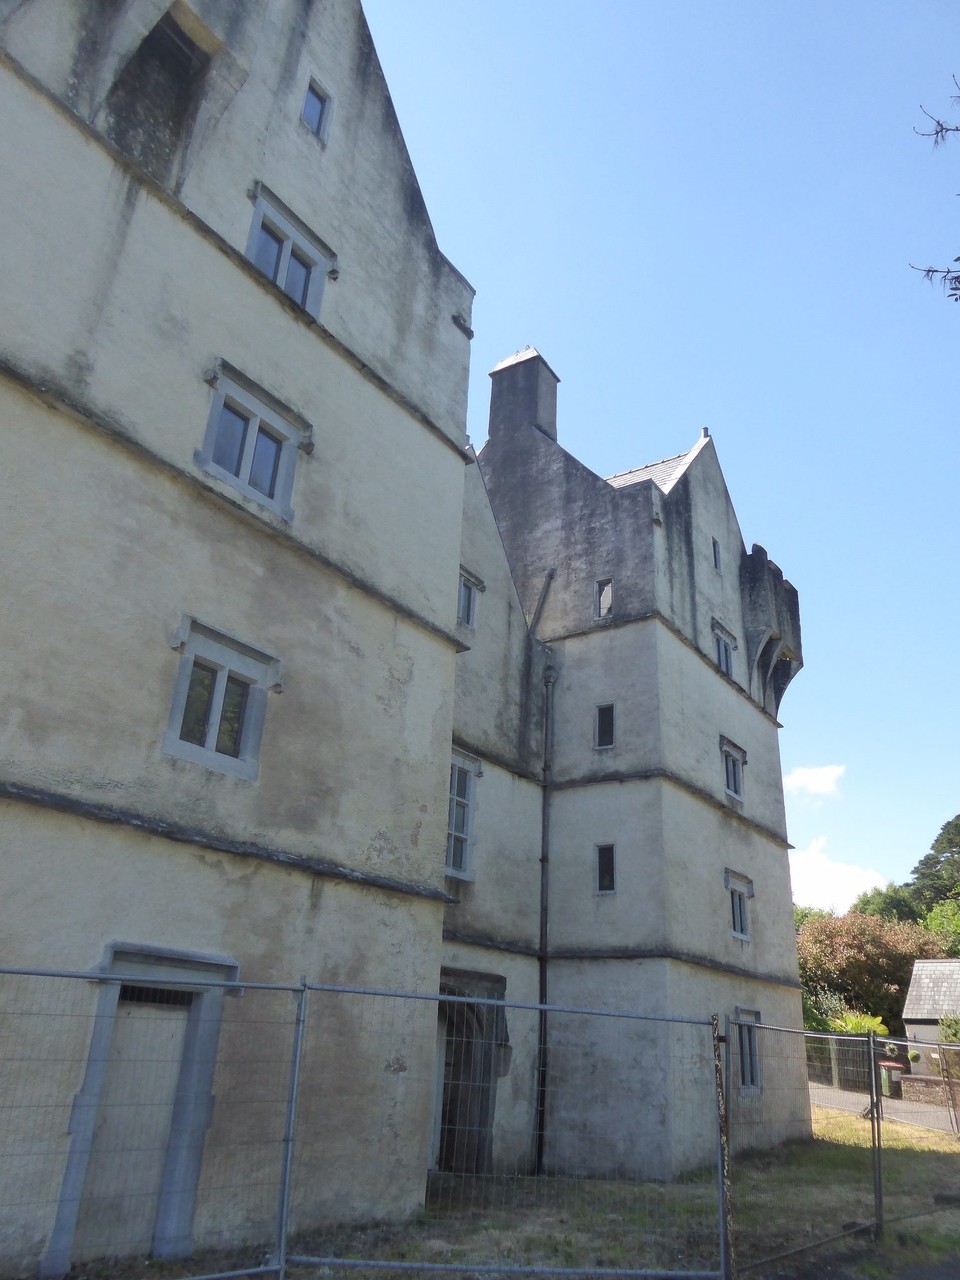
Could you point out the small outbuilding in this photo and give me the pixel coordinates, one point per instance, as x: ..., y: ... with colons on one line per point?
x: 934, y: 991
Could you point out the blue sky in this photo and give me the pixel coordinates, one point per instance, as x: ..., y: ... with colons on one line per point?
x: 703, y: 214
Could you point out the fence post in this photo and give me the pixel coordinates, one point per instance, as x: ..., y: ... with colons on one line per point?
x: 727, y: 1269
x: 293, y: 1094
x: 876, y: 1135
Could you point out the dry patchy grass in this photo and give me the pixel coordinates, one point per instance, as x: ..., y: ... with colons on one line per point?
x: 806, y: 1191
x: 783, y: 1200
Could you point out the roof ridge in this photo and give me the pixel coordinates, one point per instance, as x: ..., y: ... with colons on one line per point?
x: 644, y: 466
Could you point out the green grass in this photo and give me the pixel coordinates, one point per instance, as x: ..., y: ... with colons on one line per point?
x: 805, y: 1191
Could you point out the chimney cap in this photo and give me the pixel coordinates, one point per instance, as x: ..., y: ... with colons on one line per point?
x: 518, y: 357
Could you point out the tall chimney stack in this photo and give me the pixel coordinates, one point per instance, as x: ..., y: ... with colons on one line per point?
x: 524, y: 393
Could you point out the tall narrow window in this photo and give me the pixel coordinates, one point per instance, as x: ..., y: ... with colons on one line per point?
x: 603, y: 597
x: 606, y: 868
x: 740, y: 889
x: 316, y: 110
x: 460, y: 817
x: 604, y: 726
x: 748, y: 1048
x: 734, y: 760
x: 466, y: 602
x: 725, y: 643
x: 716, y: 555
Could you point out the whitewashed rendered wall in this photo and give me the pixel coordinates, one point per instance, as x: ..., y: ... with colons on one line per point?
x: 93, y: 883
x: 356, y: 190
x: 146, y: 306
x: 352, y: 761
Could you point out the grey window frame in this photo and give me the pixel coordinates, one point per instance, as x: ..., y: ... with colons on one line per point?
x: 470, y: 766
x: 597, y: 848
x: 321, y: 133
x: 725, y: 643
x: 235, y: 392
x: 600, y: 588
x: 597, y: 744
x: 261, y: 672
x: 270, y: 212
x: 747, y: 1022
x: 734, y: 762
x: 466, y: 602
x: 740, y: 889
x: 469, y: 590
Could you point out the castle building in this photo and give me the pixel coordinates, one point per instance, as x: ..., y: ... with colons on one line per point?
x: 256, y: 583
x: 622, y: 815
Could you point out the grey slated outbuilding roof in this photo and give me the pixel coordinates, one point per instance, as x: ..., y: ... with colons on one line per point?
x: 934, y: 990
x: 661, y: 473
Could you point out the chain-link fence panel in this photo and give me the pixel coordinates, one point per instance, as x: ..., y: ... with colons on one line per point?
x: 465, y: 1133
x: 139, y: 1115
x: 781, y: 1085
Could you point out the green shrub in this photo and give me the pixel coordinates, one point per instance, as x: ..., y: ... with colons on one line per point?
x: 948, y: 1031
x: 858, y: 1023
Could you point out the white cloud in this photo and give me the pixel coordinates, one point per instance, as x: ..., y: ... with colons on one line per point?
x: 819, y: 881
x: 821, y: 780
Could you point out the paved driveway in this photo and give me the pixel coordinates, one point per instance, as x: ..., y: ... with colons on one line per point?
x: 925, y: 1115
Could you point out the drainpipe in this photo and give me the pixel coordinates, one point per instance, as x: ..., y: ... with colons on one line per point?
x: 549, y: 682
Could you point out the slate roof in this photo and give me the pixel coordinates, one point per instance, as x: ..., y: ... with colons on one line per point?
x: 934, y: 990
x: 661, y: 473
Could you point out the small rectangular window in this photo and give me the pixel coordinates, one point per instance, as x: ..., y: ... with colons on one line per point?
x: 606, y: 868
x: 740, y: 889
x: 724, y: 655
x: 604, y: 726
x: 734, y: 760
x: 738, y: 903
x: 466, y: 602
x: 726, y: 643
x: 251, y: 446
x: 734, y: 775
x: 219, y: 701
x: 716, y: 555
x: 603, y: 597
x: 287, y: 253
x: 314, y: 110
x: 748, y: 1048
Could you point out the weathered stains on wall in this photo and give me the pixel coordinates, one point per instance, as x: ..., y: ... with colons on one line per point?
x: 499, y: 690
x: 131, y: 552
x: 356, y: 190
x: 502, y: 901
x: 148, y: 892
x: 772, y: 628
x: 554, y: 513
x: 111, y: 249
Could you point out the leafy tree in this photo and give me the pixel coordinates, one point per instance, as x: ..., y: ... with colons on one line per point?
x: 944, y: 918
x: 937, y: 875
x: 802, y: 914
x: 948, y: 1030
x: 895, y: 902
x: 863, y: 961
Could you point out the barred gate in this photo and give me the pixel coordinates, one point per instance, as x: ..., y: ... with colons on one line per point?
x: 247, y: 1126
